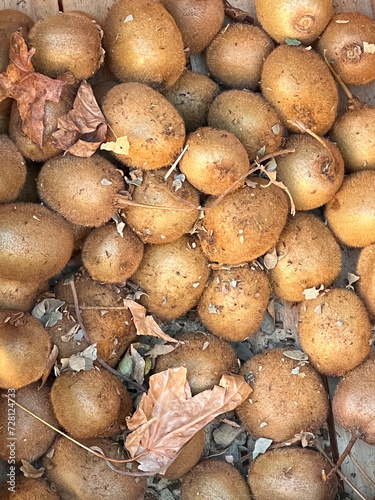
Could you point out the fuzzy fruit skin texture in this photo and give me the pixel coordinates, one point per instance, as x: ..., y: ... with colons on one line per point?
x: 214, y: 479
x: 235, y: 57
x: 173, y: 277
x: 20, y: 295
x: 338, y: 338
x: 240, y: 296
x: 300, y: 86
x: 245, y: 224
x: 312, y: 258
x: 25, y: 347
x: 12, y: 170
x: 276, y: 390
x: 366, y: 284
x: 250, y: 118
x: 29, y: 489
x: 11, y: 21
x: 189, y: 456
x: 79, y: 475
x: 313, y: 173
x: 205, y: 364
x: 62, y: 328
x: 291, y: 474
x: 343, y: 42
x: 155, y: 130
x: 351, y: 212
x: 353, y: 403
x: 147, y: 48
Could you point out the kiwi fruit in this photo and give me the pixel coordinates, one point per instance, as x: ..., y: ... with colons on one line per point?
x: 188, y: 457
x: 198, y: 21
x: 12, y: 170
x: 311, y: 258
x: 344, y: 40
x: 143, y: 43
x: 214, y: 160
x: 250, y: 118
x: 288, y: 396
x: 101, y: 89
x: 192, y: 96
x: 98, y: 403
x: 291, y: 474
x: 29, y: 191
x: 80, y: 475
x: 160, y: 226
x: 25, y: 347
x: 303, y: 21
x: 35, y: 243
x: 366, y: 283
x: 313, y: 173
x: 173, y: 277
x: 298, y: 83
x: 234, y: 302
x: 66, y: 336
x: 214, y: 480
x: 20, y: 295
x: 4, y: 51
x: 236, y: 55
x: 351, y: 212
x: 205, y: 357
x: 153, y: 127
x: 33, y: 437
x: 11, y: 21
x: 5, y: 109
x: 245, y: 224
x: 335, y: 331
x: 82, y: 190
x: 29, y: 489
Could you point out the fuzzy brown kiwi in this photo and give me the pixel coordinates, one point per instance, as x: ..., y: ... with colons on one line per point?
x: 35, y: 243
x: 29, y: 191
x: 351, y: 212
x: 214, y: 160
x: 335, y: 331
x: 233, y: 302
x: 283, y: 403
x: 173, y: 276
x: 313, y: 173
x: 82, y: 190
x: 29, y: 489
x: 303, y: 21
x: 12, y: 170
x: 143, y: 43
x: 315, y: 103
x: 366, y: 283
x: 312, y: 258
x: 344, y: 43
x: 250, y: 118
x: 162, y: 226
x: 5, y: 109
x: 11, y: 21
x: 111, y: 257
x: 205, y: 357
x: 4, y: 52
x: 66, y: 335
x: 235, y: 56
x: 245, y: 224
x: 189, y: 456
x: 98, y: 482
x: 33, y: 437
x: 155, y: 130
x: 192, y: 96
x: 25, y: 347
x: 214, y: 479
x: 20, y: 295
x: 291, y: 474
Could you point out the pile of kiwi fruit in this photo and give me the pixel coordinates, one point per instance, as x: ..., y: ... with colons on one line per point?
x: 248, y: 177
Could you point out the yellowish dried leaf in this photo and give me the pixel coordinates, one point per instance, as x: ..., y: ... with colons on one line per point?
x: 120, y: 146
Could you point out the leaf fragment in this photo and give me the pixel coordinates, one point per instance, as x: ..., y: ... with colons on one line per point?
x: 120, y: 146
x: 82, y: 360
x: 292, y: 41
x: 261, y: 446
x: 50, y: 363
x: 47, y: 312
x: 29, y: 471
x: 312, y: 293
x: 368, y: 48
x: 237, y: 14
x: 296, y: 355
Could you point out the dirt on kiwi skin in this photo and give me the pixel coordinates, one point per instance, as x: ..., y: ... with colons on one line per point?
x: 283, y: 403
x: 189, y: 456
x: 20, y: 295
x: 236, y: 55
x: 234, y: 302
x: 250, y: 118
x: 214, y: 161
x: 245, y: 224
x: 192, y: 96
x: 313, y: 173
x: 351, y: 212
x: 143, y: 43
x: 291, y: 474
x: 343, y: 40
x: 153, y: 127
x: 365, y: 286
x: 12, y: 170
x: 63, y: 334
x: 335, y: 332
x: 312, y: 257
x: 29, y: 490
x: 315, y: 104
x: 159, y: 226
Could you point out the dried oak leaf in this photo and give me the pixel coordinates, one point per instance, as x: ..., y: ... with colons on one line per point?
x: 30, y: 89
x: 168, y: 416
x: 238, y: 15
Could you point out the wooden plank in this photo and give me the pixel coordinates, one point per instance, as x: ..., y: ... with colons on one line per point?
x: 36, y: 9
x: 363, y: 6
x: 97, y: 9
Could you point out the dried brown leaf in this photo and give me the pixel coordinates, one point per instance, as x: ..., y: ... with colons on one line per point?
x: 120, y: 146
x: 50, y: 362
x: 238, y: 15
x: 138, y: 366
x: 29, y: 471
x: 270, y: 259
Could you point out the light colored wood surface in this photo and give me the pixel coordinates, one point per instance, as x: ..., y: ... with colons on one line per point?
x: 98, y: 9
x: 36, y: 9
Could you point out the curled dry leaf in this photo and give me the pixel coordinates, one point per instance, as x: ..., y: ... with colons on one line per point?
x: 30, y: 89
x: 50, y: 363
x: 296, y: 355
x: 312, y: 293
x: 168, y: 416
x: 261, y: 446
x: 237, y: 14
x: 270, y: 259
x: 120, y: 146
x: 29, y: 471
x: 81, y: 361
x: 138, y: 366
x: 47, y: 312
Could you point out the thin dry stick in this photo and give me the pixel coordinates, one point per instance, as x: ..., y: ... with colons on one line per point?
x: 122, y: 202
x: 362, y: 470
x: 337, y: 76
x: 176, y: 162
x: 345, y: 453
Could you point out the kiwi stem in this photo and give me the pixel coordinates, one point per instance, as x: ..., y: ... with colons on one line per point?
x: 349, y: 95
x: 176, y: 162
x: 306, y: 130
x: 343, y: 456
x: 362, y: 471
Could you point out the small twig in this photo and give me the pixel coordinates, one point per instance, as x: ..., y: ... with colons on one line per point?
x: 345, y: 453
x: 176, y: 162
x: 123, y: 202
x: 306, y: 130
x: 362, y: 470
x: 349, y: 95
